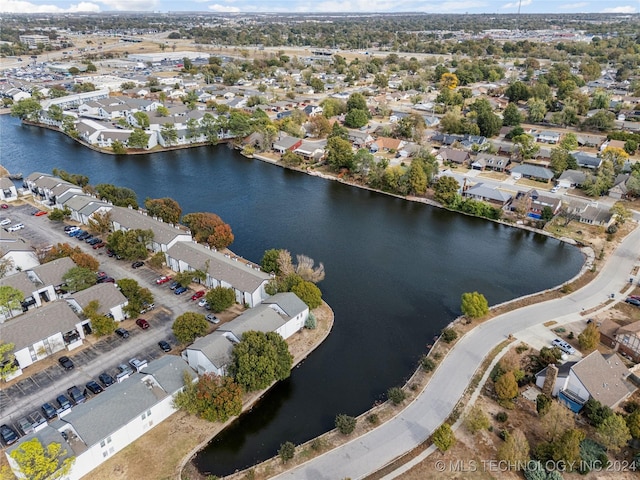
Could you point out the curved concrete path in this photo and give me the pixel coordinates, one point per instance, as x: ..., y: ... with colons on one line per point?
x: 370, y: 452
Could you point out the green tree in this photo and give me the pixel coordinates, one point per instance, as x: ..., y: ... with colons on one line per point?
x: 260, y: 359
x: 26, y: 109
x: 417, y: 179
x: 309, y: 293
x: 476, y: 419
x: 527, y: 147
x: 543, y: 403
x: 443, y: 437
x: 488, y: 123
x: 339, y: 154
x: 511, y: 115
x: 633, y: 420
x: 269, y: 262
x: 630, y: 146
x: 188, y: 326
x: 537, y: 110
x: 69, y: 127
x: 130, y: 244
x: 396, y: 395
x: 56, y: 112
x: 356, y: 118
x: 569, y: 142
x: 286, y: 451
x: 8, y: 363
x: 446, y: 190
x: 169, y: 133
x: 596, y: 412
x: 142, y: 119
x: 589, y: 337
x: 601, y: 120
x: 474, y: 305
x: 118, y: 147
x: 137, y: 296
x: 356, y: 101
x: 517, y: 91
x: 78, y: 278
x: 567, y: 447
x: 213, y: 398
x: 345, y: 424
x: 165, y: 208
x: 613, y: 433
x: 10, y: 299
x: 220, y: 298
x: 506, y: 387
x: 515, y: 449
x: 138, y: 139
x: 38, y: 462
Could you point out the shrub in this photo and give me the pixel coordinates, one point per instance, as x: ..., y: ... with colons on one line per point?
x: 345, y: 424
x: 373, y: 419
x: 220, y: 298
x: 522, y: 348
x: 286, y: 451
x: 396, y: 395
x: 428, y: 364
x: 476, y: 419
x: 311, y: 323
x: 317, y: 444
x: 443, y: 437
x: 449, y: 335
x: 502, y: 417
x: 592, y: 455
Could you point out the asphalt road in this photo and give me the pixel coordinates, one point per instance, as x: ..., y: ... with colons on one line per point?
x: 105, y: 354
x: 369, y: 453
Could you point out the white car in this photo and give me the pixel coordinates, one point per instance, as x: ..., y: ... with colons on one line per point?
x: 564, y: 346
x: 555, y: 189
x: 5, y: 222
x: 202, y: 302
x: 15, y: 228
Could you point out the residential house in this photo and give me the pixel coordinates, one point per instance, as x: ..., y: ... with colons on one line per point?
x: 622, y: 339
x: 591, y: 141
x: 95, y: 431
x: 386, y: 144
x: 619, y: 189
x: 571, y: 179
x: 293, y: 310
x: 111, y: 301
x: 492, y: 162
x: 592, y: 214
x: 603, y: 378
x: 75, y: 100
x: 42, y: 332
x: 547, y: 136
x: 461, y: 157
x: 8, y: 191
x: 210, y: 354
x: 534, y: 203
x: 313, y: 110
x: 487, y: 194
x: 247, y: 280
x: 286, y: 143
x: 311, y: 150
x: 20, y: 255
x: 586, y: 160
x: 533, y: 172
x: 42, y: 186
x: 360, y: 139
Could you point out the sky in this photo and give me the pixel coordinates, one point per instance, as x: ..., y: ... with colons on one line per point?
x: 305, y: 6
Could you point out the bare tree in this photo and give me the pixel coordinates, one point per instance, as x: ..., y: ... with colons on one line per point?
x: 305, y: 269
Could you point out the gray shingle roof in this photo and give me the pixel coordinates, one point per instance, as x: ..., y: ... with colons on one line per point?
x: 235, y: 273
x: 604, y: 378
x: 163, y: 233
x: 216, y: 347
x: 19, y: 281
x: 287, y: 301
x: 51, y: 273
x: 107, y: 294
x: 533, y: 171
x: 261, y: 318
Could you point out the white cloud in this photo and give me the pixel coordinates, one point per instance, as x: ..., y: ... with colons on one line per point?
x: 573, y: 6
x: 516, y: 4
x: 130, y: 5
x: 623, y: 9
x: 22, y: 6
x: 223, y: 8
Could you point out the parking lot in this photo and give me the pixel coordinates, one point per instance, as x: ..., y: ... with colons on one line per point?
x: 46, y: 379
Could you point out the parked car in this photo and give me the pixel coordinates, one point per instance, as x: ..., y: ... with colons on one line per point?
x: 37, y: 419
x: 142, y: 323
x: 99, y: 245
x: 564, y: 346
x: 66, y: 362
x: 137, y: 264
x: 122, y: 332
x: 174, y: 285
x: 5, y: 222
x: 202, y: 302
x: 94, y: 387
x: 64, y: 402
x: 70, y: 228
x: 147, y: 307
x: 15, y: 228
x: 49, y: 411
x: 4, y: 206
x: 180, y: 290
x: 25, y: 425
x: 164, y: 346
x: 76, y: 395
x: 9, y: 435
x: 212, y: 318
x: 94, y: 240
x: 106, y: 379
x: 40, y: 213
x: 106, y: 280
x: 633, y: 301
x: 198, y: 294
x: 84, y: 236
x: 76, y: 233
x: 123, y: 368
x: 163, y: 279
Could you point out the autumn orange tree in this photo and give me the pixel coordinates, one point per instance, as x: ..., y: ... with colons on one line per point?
x: 80, y: 258
x: 209, y: 228
x: 449, y: 80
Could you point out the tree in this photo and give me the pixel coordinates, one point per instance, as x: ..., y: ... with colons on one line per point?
x: 138, y: 139
x: 79, y: 278
x: 601, y: 120
x: 286, y: 451
x: 100, y: 222
x: 57, y: 215
x: 589, y: 337
x: 567, y: 447
x: 101, y: 324
x: 169, y: 133
x: 69, y: 127
x: 630, y: 146
x: 56, y: 112
x: 345, y: 424
x: 474, y: 305
x: 613, y: 433
x: 396, y: 395
x: 309, y: 293
x: 443, y: 437
x: 596, y: 412
x: 320, y: 126
x: 515, y: 449
x: 119, y: 196
x: 188, y: 326
x: 269, y: 262
x: 213, y: 398
x: 476, y: 419
x: 506, y: 387
x: 633, y: 420
x: 488, y: 123
x: 137, y: 296
x: 6, y: 265
x: 26, y: 109
x: 417, y: 179
x: 537, y: 110
x: 260, y: 359
x: 543, y: 403
x: 80, y: 258
x: 356, y: 118
x: 165, y: 208
x: 449, y: 81
x: 142, y: 119
x: 8, y: 363
x: 446, y: 190
x: 339, y: 154
x: 527, y: 147
x: 557, y: 420
x: 220, y: 298
x: 511, y: 115
x: 130, y: 244
x: 209, y: 228
x: 517, y: 91
x: 617, y: 156
x: 38, y: 462
x: 356, y: 101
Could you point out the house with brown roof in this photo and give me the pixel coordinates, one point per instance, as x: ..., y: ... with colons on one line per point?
x: 603, y: 378
x: 386, y: 144
x: 454, y: 155
x: 623, y: 339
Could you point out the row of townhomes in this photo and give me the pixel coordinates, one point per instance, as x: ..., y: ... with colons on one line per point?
x: 50, y: 320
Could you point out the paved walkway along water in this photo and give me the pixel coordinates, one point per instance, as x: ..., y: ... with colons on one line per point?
x: 414, y: 424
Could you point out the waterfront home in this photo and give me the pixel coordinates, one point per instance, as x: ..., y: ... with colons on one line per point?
x: 286, y: 143
x: 603, y: 378
x: 210, y: 354
x: 487, y: 194
x: 8, y: 191
x: 533, y: 203
x: 95, y: 431
x: 45, y: 188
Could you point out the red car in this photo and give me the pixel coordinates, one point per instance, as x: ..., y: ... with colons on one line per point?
x: 197, y: 295
x: 163, y: 279
x: 142, y: 323
x: 40, y: 213
x: 99, y: 245
x: 4, y: 206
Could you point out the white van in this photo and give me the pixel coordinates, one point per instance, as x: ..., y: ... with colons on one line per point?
x: 564, y: 346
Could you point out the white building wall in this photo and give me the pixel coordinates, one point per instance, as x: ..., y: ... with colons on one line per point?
x: 575, y: 386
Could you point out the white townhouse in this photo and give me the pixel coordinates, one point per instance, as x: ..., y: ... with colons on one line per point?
x: 42, y: 187
x: 21, y: 255
x: 83, y: 206
x: 246, y: 279
x: 210, y: 354
x: 111, y: 301
x: 42, y: 332
x: 75, y: 100
x: 96, y: 430
x: 8, y: 191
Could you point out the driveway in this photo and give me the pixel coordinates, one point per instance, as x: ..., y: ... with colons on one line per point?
x: 367, y: 454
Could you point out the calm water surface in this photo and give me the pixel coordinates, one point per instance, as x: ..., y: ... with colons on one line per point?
x: 395, y: 270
